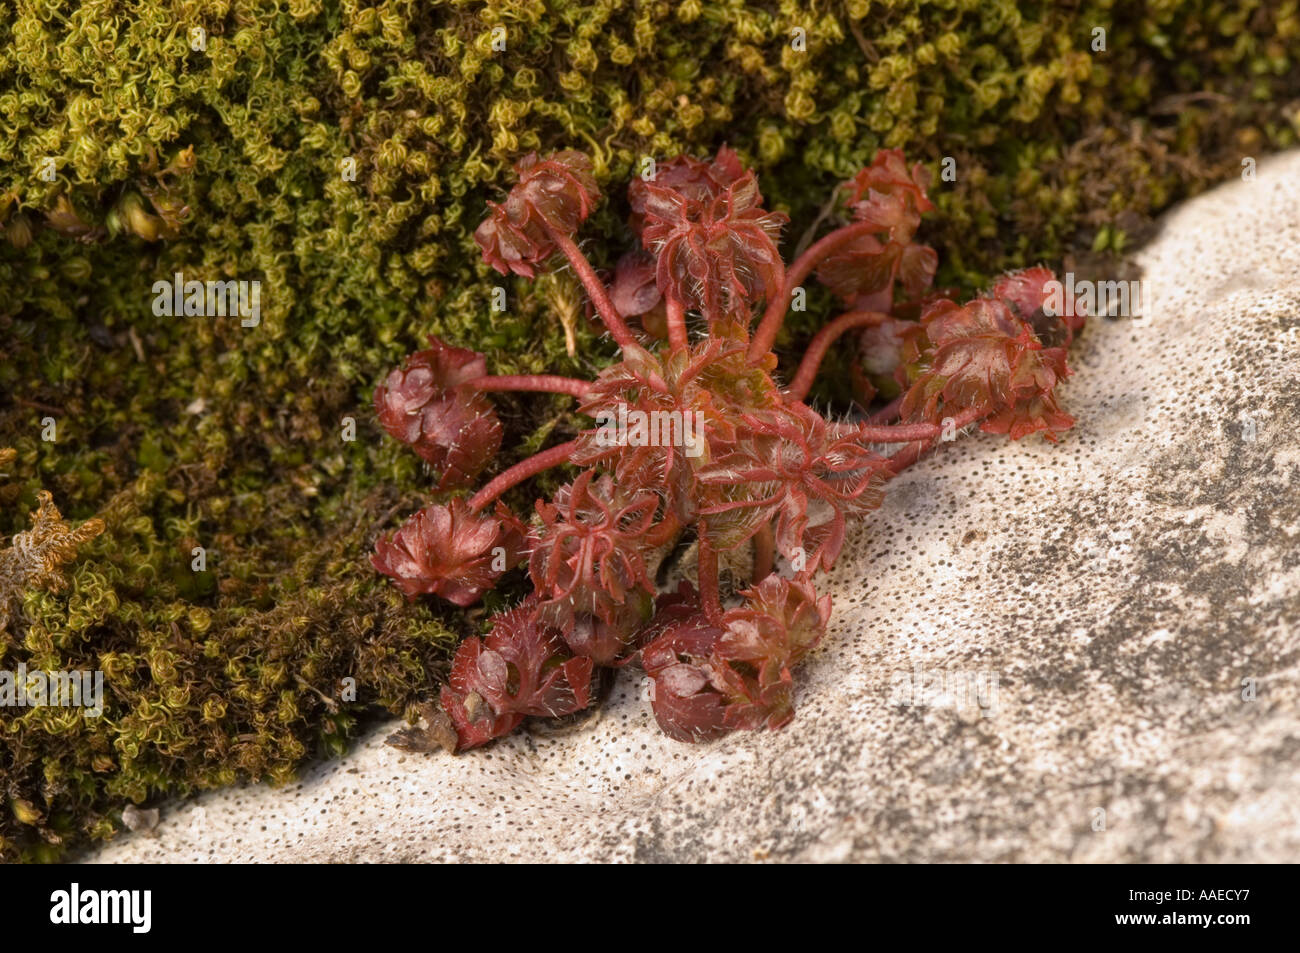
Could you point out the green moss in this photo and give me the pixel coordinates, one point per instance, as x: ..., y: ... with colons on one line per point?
x: 183, y: 432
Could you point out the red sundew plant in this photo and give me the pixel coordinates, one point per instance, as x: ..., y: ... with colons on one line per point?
x: 697, y: 441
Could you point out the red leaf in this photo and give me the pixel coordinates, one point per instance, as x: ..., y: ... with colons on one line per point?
x: 916, y: 268
x: 450, y: 552
x: 1030, y: 294
x: 588, y: 561
x: 431, y: 404
x: 685, y: 704
x: 985, y: 356
x: 634, y: 290
x: 557, y: 193
x: 888, y: 194
x: 790, y: 460
x: 715, y: 248
x: 697, y: 181
x: 761, y: 642
x: 893, y: 199
x: 522, y: 668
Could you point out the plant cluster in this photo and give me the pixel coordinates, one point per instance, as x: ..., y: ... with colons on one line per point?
x: 767, y: 472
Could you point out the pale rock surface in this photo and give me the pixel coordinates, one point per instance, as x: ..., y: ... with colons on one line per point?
x: 1119, y: 586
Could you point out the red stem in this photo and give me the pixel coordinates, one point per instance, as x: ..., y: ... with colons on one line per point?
x: 912, y: 452
x: 596, y: 289
x: 764, y: 553
x: 774, y: 316
x: 544, y: 383
x: 899, y: 433
x: 677, y: 338
x: 820, y: 344
x: 708, y: 576
x: 520, y: 472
